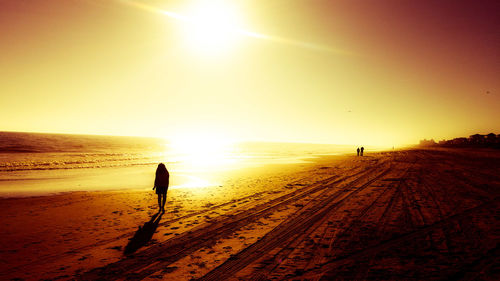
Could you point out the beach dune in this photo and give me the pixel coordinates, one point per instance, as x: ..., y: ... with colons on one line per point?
x: 416, y: 214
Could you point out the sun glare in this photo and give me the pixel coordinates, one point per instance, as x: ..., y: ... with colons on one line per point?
x: 212, y: 26
x: 202, y: 151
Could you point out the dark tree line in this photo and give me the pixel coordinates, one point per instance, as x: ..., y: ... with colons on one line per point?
x: 477, y: 140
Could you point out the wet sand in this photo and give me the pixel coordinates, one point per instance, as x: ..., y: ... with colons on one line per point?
x: 401, y: 215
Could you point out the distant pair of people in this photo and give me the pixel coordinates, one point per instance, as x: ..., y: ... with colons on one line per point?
x: 162, y: 180
x: 360, y: 151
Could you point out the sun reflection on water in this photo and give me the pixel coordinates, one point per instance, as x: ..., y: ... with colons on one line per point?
x: 202, y: 152
x: 194, y: 159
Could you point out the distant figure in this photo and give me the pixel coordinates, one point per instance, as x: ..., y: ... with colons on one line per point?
x: 362, y: 149
x: 161, y: 185
x: 357, y: 151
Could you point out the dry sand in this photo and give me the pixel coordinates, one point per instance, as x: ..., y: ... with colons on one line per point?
x: 402, y: 215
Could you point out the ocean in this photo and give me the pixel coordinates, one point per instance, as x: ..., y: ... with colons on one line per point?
x: 33, y: 164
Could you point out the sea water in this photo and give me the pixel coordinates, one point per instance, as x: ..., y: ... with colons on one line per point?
x: 43, y: 164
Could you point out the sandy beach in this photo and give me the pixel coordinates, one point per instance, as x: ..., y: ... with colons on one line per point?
x: 399, y: 215
x: 299, y: 140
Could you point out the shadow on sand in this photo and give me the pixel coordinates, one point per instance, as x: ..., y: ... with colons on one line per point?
x: 143, y: 234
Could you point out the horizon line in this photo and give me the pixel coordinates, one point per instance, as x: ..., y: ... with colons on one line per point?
x: 165, y: 138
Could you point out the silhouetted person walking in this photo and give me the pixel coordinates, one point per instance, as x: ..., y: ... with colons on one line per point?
x: 362, y: 150
x: 357, y: 151
x: 161, y: 184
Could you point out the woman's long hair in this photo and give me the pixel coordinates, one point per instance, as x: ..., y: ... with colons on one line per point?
x: 162, y: 176
x: 161, y: 169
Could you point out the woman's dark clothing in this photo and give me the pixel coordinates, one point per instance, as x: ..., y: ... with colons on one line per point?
x: 161, y: 190
x: 161, y: 183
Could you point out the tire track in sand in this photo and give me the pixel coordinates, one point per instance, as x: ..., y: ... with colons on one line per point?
x: 286, y: 230
x: 394, y: 242
x: 328, y: 243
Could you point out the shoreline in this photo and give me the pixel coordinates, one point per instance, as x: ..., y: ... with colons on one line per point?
x: 149, y: 171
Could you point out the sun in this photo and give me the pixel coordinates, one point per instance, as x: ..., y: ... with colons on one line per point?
x: 211, y: 26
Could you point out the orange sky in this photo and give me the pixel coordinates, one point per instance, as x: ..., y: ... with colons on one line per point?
x: 386, y: 72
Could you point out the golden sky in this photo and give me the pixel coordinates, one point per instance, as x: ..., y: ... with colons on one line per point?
x: 385, y: 72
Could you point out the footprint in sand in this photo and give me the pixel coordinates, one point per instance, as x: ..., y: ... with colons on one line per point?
x: 201, y: 264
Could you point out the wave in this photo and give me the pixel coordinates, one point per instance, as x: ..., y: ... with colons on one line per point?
x: 81, y: 161
x: 36, y: 151
x: 16, y: 142
x: 40, y: 168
